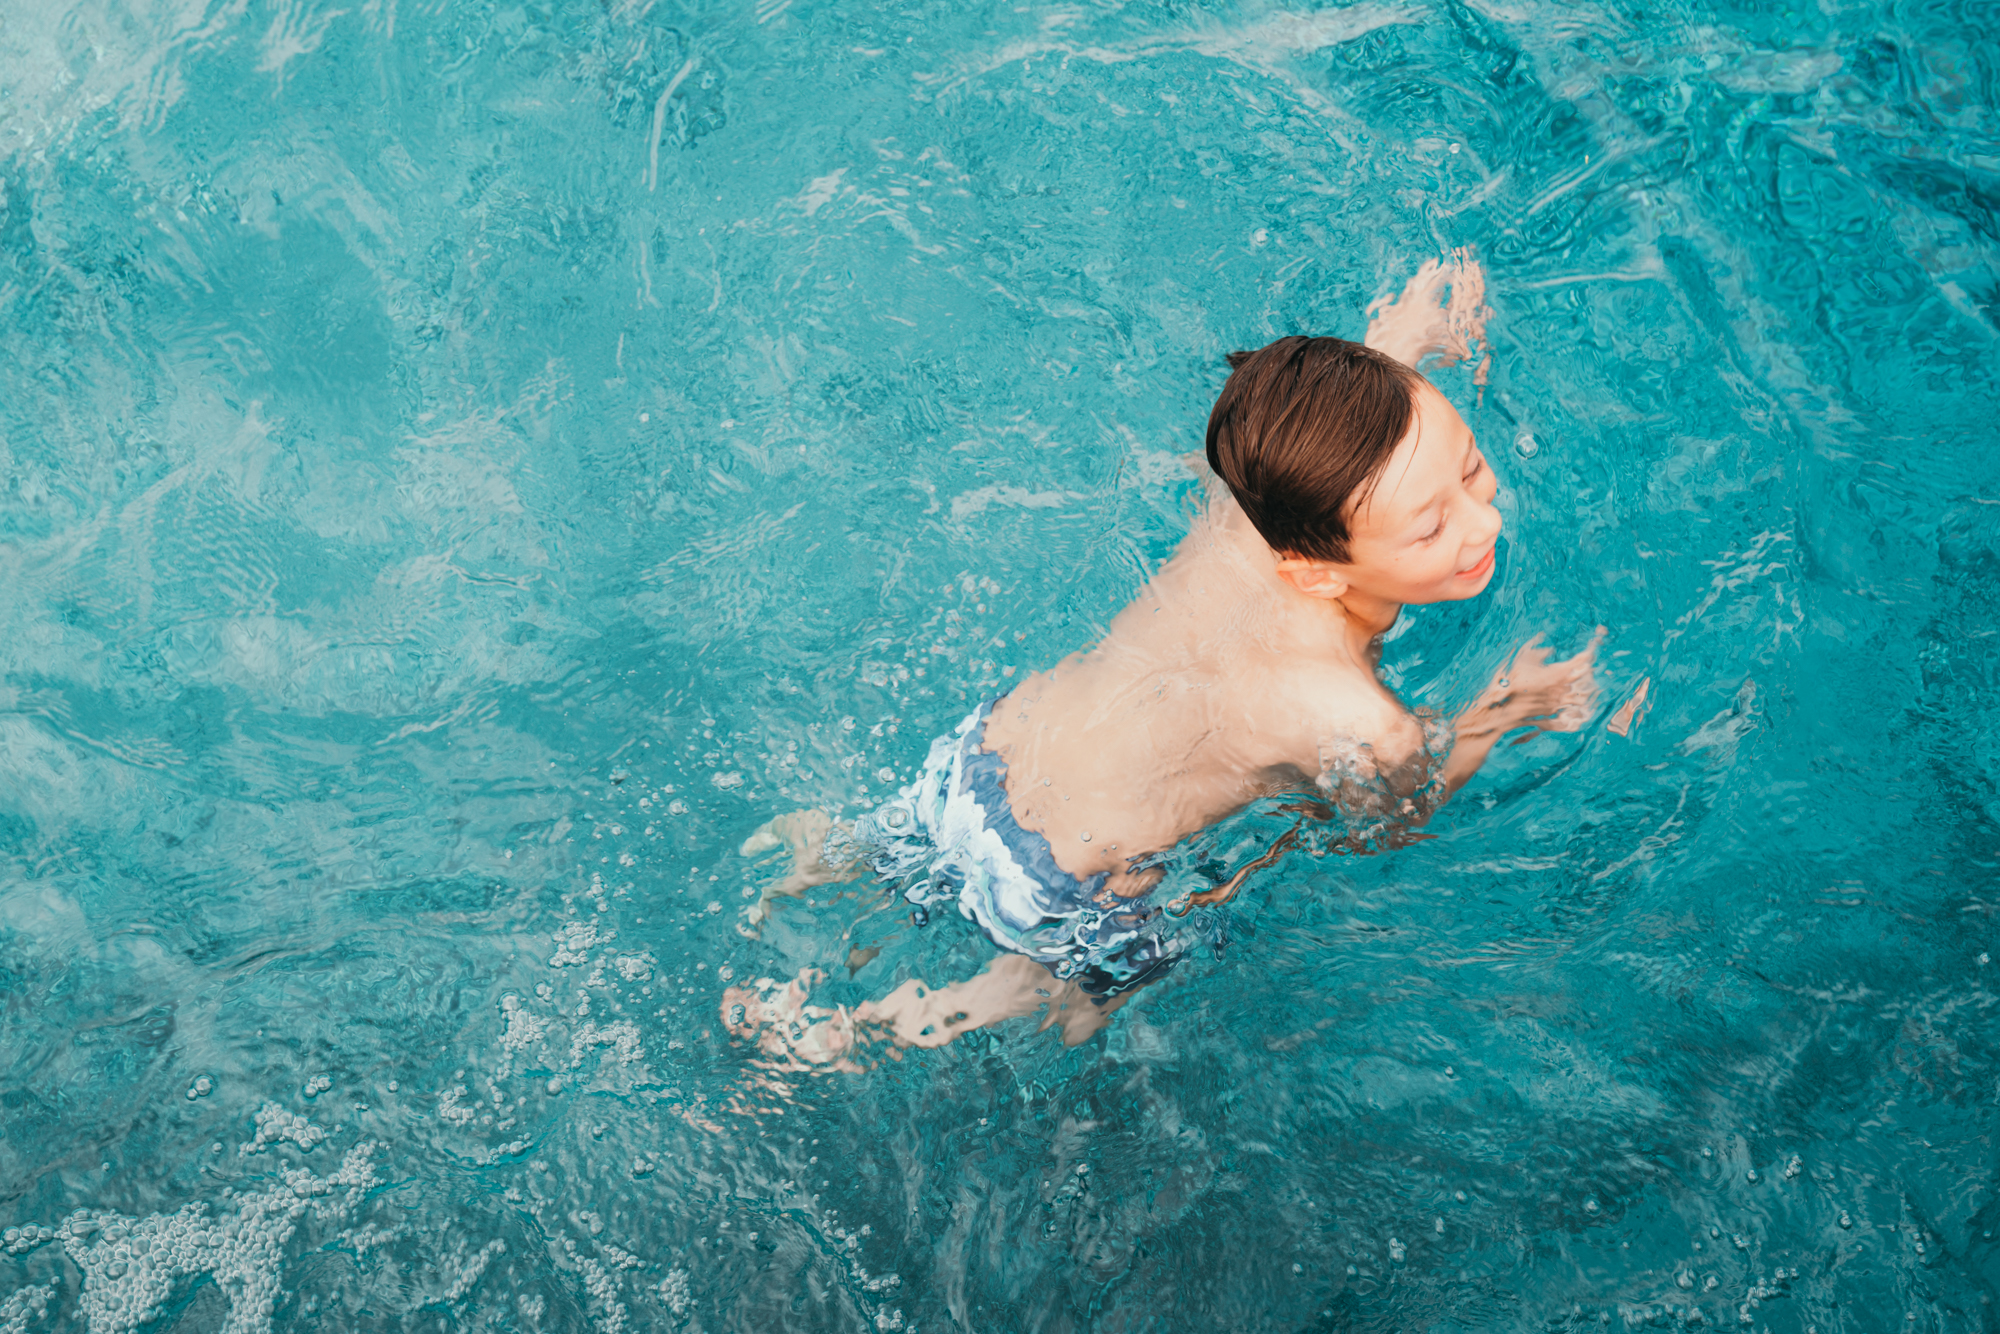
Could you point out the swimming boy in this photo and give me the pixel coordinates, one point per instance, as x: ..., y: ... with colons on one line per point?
x: 1245, y: 669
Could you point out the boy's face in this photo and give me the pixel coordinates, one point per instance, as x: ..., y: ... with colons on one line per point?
x: 1426, y: 532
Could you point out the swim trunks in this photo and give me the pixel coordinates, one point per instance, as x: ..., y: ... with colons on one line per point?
x: 951, y: 836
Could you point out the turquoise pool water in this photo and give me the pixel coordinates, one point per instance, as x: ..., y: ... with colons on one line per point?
x: 466, y: 465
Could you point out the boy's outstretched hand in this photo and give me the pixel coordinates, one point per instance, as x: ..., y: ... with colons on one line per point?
x: 1421, y: 322
x: 1528, y: 691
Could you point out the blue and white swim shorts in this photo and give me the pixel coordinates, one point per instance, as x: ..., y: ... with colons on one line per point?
x: 951, y: 835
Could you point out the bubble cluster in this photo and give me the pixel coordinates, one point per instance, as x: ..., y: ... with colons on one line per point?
x: 20, y: 1240
x: 573, y: 941
x: 450, y: 1110
x: 29, y: 1303
x: 130, y: 1265
x: 470, y: 1270
x: 602, y: 1286
x: 674, y: 1292
x: 274, y: 1123
x: 523, y: 1029
x: 622, y: 1037
x: 317, y: 1085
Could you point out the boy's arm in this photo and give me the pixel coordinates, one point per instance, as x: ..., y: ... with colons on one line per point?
x: 1377, y: 759
x: 1370, y: 759
x: 1381, y: 757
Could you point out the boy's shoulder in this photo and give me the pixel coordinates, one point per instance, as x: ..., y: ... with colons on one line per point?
x: 1321, y: 702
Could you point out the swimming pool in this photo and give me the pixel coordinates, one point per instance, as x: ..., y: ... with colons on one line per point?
x: 467, y: 465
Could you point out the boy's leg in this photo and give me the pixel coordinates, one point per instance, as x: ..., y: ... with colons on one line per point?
x: 1013, y: 986
x: 784, y: 1025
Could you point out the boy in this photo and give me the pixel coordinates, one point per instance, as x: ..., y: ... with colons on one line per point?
x: 1244, y: 670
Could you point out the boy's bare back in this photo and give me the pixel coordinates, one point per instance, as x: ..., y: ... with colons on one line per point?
x: 1216, y: 686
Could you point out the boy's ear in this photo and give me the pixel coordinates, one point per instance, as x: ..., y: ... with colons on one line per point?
x: 1314, y: 578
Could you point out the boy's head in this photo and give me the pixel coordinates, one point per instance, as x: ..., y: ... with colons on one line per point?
x: 1356, y: 471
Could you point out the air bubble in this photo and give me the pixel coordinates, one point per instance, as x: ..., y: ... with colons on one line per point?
x: 1525, y: 443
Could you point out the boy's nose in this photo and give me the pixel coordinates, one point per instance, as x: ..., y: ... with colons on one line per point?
x: 1489, y: 523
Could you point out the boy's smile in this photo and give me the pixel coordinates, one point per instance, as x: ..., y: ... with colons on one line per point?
x: 1482, y: 570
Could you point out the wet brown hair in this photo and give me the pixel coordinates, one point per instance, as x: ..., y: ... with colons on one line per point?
x: 1299, y: 432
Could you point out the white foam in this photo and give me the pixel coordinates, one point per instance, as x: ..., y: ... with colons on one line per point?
x: 29, y: 1303
x: 573, y: 941
x: 674, y: 1292
x: 524, y: 1029
x: 274, y: 1123
x: 603, y: 1289
x: 622, y: 1037
x: 469, y: 1270
x: 131, y: 1265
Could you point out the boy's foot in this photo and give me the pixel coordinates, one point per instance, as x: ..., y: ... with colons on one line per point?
x: 801, y: 834
x: 787, y: 1029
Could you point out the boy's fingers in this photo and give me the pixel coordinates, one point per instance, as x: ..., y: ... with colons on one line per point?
x: 1588, y: 653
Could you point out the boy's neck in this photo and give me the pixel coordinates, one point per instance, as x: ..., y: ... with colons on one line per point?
x: 1369, y: 616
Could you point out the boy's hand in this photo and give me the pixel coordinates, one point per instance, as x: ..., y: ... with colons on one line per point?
x: 1420, y: 322
x: 1530, y: 691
